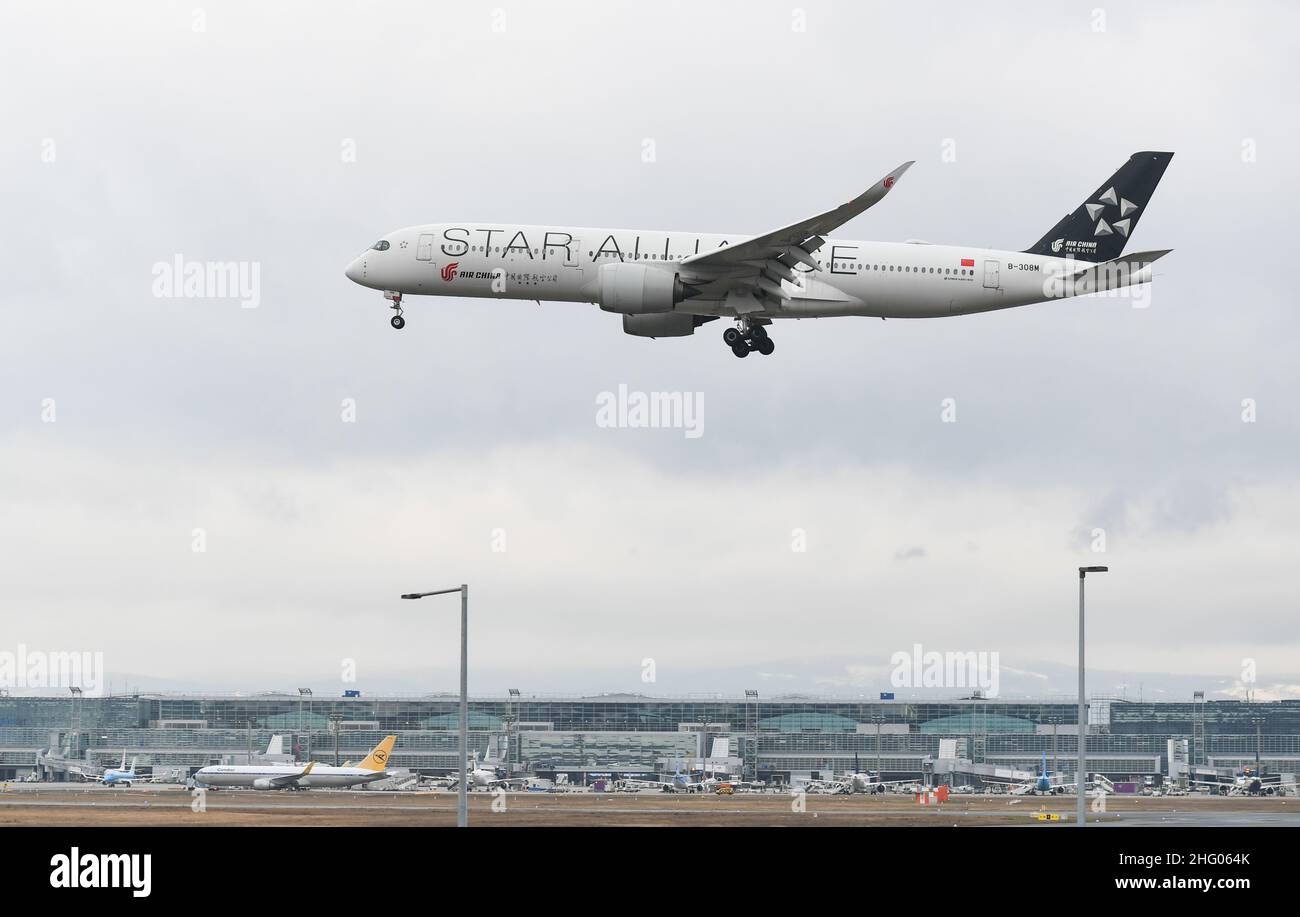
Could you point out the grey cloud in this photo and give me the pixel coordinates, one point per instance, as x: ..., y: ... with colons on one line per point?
x: 226, y: 145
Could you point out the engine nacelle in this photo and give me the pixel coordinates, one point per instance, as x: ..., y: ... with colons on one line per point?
x: 263, y: 783
x: 671, y: 324
x: 664, y: 325
x: 640, y: 289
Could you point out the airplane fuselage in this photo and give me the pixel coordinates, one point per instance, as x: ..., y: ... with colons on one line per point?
x: 247, y: 775
x: 878, y: 279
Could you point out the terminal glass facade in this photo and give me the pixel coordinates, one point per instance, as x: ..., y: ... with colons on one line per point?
x: 773, y: 737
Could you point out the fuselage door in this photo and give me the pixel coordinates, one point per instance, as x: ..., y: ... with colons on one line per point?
x: 573, y: 273
x: 990, y: 275
x: 424, y: 248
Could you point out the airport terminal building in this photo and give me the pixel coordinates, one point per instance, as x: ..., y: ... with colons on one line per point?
x: 776, y: 739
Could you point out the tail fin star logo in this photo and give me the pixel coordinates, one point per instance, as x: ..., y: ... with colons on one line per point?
x: 1121, y: 225
x: 449, y: 271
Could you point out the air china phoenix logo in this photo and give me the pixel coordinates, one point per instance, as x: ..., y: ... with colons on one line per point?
x: 449, y: 271
x: 889, y: 182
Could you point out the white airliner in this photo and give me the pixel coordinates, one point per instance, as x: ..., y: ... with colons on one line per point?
x: 299, y: 776
x: 868, y: 782
x: 667, y: 284
x: 124, y: 776
x: 484, y: 775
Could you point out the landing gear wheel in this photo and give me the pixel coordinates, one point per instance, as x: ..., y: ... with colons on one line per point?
x: 396, y: 299
x: 747, y: 337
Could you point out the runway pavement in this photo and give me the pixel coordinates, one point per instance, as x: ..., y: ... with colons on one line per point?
x: 77, y: 805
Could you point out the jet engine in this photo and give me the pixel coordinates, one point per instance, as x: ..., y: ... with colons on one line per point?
x: 640, y: 289
x: 263, y: 783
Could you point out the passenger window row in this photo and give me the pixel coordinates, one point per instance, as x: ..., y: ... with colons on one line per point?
x: 903, y: 269
x: 836, y: 265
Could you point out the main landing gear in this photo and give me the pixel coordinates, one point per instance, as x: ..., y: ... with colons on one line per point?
x: 396, y: 321
x: 748, y: 337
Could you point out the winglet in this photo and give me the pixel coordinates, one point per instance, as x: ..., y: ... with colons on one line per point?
x: 832, y: 219
x: 888, y: 181
x: 307, y: 770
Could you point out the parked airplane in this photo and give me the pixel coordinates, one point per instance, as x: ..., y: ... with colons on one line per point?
x: 683, y: 783
x: 1249, y: 781
x: 122, y: 776
x: 860, y: 781
x: 667, y: 284
x: 479, y: 776
x: 298, y: 776
x: 1046, y: 783
x: 486, y: 776
x: 680, y: 782
x: 869, y: 782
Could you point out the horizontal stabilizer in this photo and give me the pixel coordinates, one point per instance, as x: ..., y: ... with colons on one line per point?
x: 1134, y: 262
x: 1115, y: 274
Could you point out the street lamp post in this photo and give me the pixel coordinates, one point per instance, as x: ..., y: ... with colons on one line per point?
x: 751, y: 750
x: 462, y: 802
x: 877, y: 719
x: 512, y: 723
x: 336, y: 723
x: 303, y: 694
x: 1082, y: 776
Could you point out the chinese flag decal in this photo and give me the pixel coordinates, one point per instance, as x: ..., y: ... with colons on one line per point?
x: 967, y: 262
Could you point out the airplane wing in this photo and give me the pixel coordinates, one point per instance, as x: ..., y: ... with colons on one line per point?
x: 172, y: 776
x: 291, y: 779
x: 848, y: 778
x: 510, y: 781
x: 1021, y: 789
x: 751, y: 272
x: 442, y: 782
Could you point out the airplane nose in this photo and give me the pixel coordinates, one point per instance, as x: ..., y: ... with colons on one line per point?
x: 356, y: 270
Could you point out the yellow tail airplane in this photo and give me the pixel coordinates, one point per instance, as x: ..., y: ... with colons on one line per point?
x: 294, y: 776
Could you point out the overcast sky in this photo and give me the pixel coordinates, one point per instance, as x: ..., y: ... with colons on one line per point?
x: 291, y: 136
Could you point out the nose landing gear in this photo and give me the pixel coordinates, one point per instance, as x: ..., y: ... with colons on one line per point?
x: 396, y: 321
x: 747, y: 338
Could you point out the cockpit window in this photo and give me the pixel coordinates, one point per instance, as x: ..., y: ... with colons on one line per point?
x: 381, y: 246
